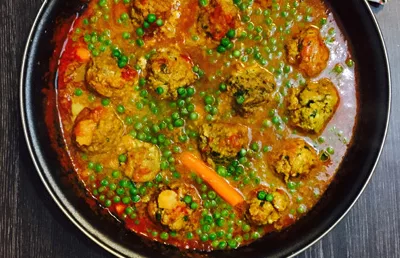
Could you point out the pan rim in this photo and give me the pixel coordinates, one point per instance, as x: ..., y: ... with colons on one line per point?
x: 117, y: 251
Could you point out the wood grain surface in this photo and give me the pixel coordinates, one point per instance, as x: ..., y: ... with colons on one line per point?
x: 31, y: 225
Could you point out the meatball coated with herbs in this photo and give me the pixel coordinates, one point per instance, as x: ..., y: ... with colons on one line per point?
x: 251, y: 87
x: 310, y: 108
x: 145, y: 13
x: 143, y: 159
x: 97, y: 130
x: 167, y: 71
x: 177, y: 208
x: 265, y: 208
x: 106, y: 78
x: 223, y: 141
x: 266, y: 3
x: 216, y: 18
x: 294, y: 157
x: 199, y: 123
x: 307, y: 51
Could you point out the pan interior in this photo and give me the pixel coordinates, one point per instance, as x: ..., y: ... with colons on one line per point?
x: 356, y: 169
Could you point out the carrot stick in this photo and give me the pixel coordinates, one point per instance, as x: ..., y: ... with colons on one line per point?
x: 219, y: 184
x: 83, y: 54
x: 119, y: 208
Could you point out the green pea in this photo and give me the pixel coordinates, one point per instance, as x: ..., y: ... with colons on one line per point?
x: 98, y: 167
x: 159, y: 90
x: 349, y: 62
x: 302, y: 208
x: 190, y: 91
x: 223, y: 87
x: 291, y: 185
x: 120, y: 109
x: 194, y: 116
x: 221, y: 49
x: 222, y: 245
x: 194, y: 205
x: 269, y: 198
x: 122, y: 158
x: 187, y: 199
x: 203, y: 3
x: 179, y: 123
x: 102, y: 3
x: 164, y: 236
x: 159, y: 22
x: 135, y: 199
x: 212, y: 195
x: 255, y: 146
x: 151, y: 18
x: 246, y: 228
x: 231, y: 33
x: 255, y: 235
x: 113, y: 187
x: 225, y: 42
x: 107, y: 203
x: 140, y: 42
x: 338, y: 68
x: 189, y: 235
x: 240, y: 99
x: 323, y: 21
x: 220, y: 222
x: 261, y: 195
x: 78, y: 92
x: 204, y: 237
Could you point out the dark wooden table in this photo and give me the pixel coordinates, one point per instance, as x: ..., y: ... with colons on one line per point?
x: 31, y: 225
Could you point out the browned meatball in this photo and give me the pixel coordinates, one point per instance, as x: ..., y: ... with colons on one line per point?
x: 293, y: 157
x: 217, y: 18
x: 308, y: 52
x: 167, y: 10
x: 97, y: 130
x: 143, y: 159
x: 310, y: 108
x: 264, y: 212
x: 106, y: 78
x: 266, y: 3
x: 170, y: 210
x: 142, y: 8
x: 170, y: 70
x: 251, y: 88
x: 222, y: 141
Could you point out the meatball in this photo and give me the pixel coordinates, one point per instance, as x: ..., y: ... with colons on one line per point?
x: 170, y: 210
x: 222, y: 141
x: 141, y: 9
x: 97, y: 130
x: 170, y: 70
x: 293, y: 157
x: 308, y: 52
x: 310, y: 108
x: 251, y: 87
x: 143, y: 159
x: 263, y: 212
x: 106, y: 78
x: 266, y: 3
x: 167, y: 10
x: 217, y: 18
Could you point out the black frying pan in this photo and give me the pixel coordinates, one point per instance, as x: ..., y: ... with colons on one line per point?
x: 364, y: 36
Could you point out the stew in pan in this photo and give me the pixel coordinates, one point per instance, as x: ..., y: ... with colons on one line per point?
x: 205, y: 124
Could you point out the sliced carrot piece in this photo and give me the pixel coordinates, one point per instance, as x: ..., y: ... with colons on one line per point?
x: 218, y: 183
x: 83, y: 54
x: 119, y: 208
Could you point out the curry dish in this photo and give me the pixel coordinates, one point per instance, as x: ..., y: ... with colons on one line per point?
x: 206, y: 124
